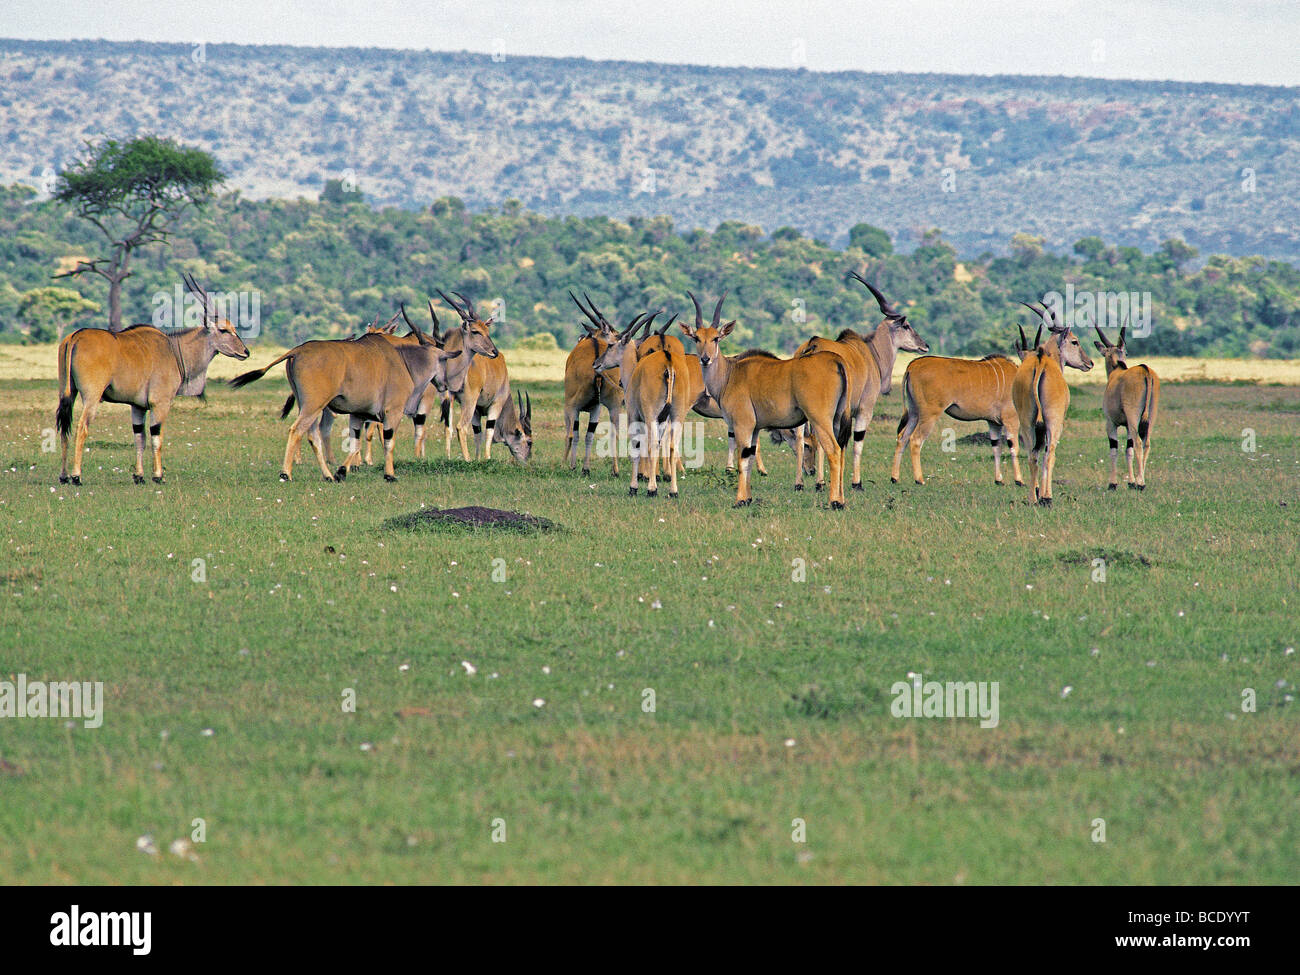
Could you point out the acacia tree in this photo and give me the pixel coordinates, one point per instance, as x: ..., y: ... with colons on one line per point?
x: 134, y: 192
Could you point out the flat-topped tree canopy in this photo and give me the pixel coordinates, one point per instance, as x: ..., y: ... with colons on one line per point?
x: 133, y: 192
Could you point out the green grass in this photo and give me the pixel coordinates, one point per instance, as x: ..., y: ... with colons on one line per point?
x: 308, y: 594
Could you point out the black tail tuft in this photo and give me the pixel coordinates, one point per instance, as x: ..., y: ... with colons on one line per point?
x: 63, y: 415
x: 445, y: 413
x: 242, y: 380
x: 288, y: 405
x: 1040, y: 435
x: 844, y: 415
x: 902, y: 421
x: 1143, y: 427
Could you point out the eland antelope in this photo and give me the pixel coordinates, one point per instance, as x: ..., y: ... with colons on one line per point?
x: 1132, y: 394
x: 586, y: 391
x: 483, y: 391
x: 870, y: 363
x: 1042, y: 396
x: 367, y: 378
x: 144, y: 367
x: 762, y: 392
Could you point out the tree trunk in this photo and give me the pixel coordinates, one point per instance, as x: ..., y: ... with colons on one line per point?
x: 118, y: 274
x: 115, y: 304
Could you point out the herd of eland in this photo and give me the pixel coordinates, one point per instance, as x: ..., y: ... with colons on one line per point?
x: 645, y: 379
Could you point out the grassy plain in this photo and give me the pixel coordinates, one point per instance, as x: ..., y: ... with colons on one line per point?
x: 1120, y: 700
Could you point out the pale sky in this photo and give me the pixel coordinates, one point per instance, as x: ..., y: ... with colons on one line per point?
x: 1235, y: 41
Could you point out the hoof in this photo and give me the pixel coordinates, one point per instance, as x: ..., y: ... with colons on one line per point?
x: 672, y: 494
x: 389, y: 478
x: 631, y: 492
x: 643, y: 477
x: 284, y: 476
x: 1111, y: 487
x: 1020, y: 483
x: 1142, y: 487
x: 586, y: 472
x: 744, y: 504
x: 1132, y: 486
x: 1045, y: 502
x: 858, y: 487
x: 652, y: 492
x: 76, y: 479
x: 762, y: 473
x: 158, y: 480
x: 893, y: 480
x: 63, y: 478
x: 837, y: 506
x: 798, y: 487
x: 818, y: 487
x: 341, y: 474
x: 999, y: 482
x: 137, y: 478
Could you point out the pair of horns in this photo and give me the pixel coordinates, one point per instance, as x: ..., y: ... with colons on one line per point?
x: 1047, y: 315
x: 1107, y: 342
x: 886, y: 309
x: 593, y: 313
x: 699, y: 314
x: 467, y: 311
x: 525, y: 411
x: 1024, y: 342
x: 193, y: 288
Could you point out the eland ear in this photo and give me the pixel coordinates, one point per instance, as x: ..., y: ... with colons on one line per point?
x: 1121, y: 336
x: 688, y: 330
x: 452, y: 355
x: 1100, y: 348
x: 726, y: 329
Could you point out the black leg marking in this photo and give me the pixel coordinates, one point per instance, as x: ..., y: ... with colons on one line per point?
x: 137, y: 428
x: 420, y: 418
x: 491, y: 424
x: 747, y: 452
x: 155, y: 430
x: 388, y: 434
x: 859, y: 435
x: 1114, y: 444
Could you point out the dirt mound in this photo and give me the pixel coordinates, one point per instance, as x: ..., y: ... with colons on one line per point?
x: 470, y: 517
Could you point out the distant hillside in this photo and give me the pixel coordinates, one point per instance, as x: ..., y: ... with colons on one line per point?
x: 1135, y: 163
